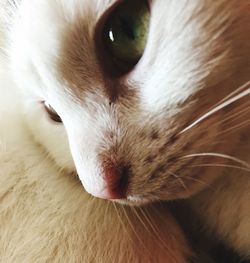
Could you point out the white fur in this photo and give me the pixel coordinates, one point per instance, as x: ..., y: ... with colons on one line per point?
x: 197, y: 52
x: 46, y: 216
x: 35, y: 51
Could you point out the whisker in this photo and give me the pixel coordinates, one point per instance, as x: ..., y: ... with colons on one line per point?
x: 107, y: 209
x: 146, y: 216
x: 213, y: 142
x: 141, y: 220
x: 235, y: 127
x: 212, y: 138
x: 199, y: 181
x: 224, y: 132
x: 221, y: 165
x: 121, y: 221
x: 180, y: 181
x: 221, y: 155
x: 233, y: 116
x: 219, y: 107
x: 149, y: 225
x: 155, y: 231
x: 165, y: 221
x: 134, y: 230
x: 238, y: 90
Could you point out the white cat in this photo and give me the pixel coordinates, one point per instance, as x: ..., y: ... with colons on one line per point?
x: 46, y: 216
x: 152, y: 96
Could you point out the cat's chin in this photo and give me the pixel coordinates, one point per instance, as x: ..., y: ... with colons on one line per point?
x: 133, y: 201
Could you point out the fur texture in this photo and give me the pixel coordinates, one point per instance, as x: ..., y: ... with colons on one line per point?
x: 142, y: 127
x: 197, y: 57
x: 46, y: 216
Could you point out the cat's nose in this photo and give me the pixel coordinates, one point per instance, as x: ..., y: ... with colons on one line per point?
x: 116, y: 177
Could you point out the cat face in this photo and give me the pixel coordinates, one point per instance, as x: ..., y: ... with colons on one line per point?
x: 128, y: 87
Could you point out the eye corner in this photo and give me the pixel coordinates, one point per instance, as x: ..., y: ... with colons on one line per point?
x: 51, y: 113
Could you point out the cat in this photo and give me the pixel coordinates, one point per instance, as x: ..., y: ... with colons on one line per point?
x: 46, y: 216
x: 151, y: 99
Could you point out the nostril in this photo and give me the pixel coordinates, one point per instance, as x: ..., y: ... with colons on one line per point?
x: 116, y: 177
x: 122, y: 183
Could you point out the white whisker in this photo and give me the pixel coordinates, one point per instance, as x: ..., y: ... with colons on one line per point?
x: 198, y: 181
x: 220, y: 165
x: 121, y: 221
x: 234, y: 92
x: 151, y: 225
x: 133, y: 229
x: 225, y: 156
x: 141, y: 220
x: 155, y: 230
x: 180, y: 181
x: 232, y: 118
x: 235, y: 127
x: 211, y: 138
x: 217, y: 108
x: 234, y: 115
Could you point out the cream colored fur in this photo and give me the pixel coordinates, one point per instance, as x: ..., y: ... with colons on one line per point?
x: 224, y: 207
x: 46, y: 216
x: 199, y: 56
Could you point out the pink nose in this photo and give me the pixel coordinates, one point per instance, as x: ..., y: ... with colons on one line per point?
x: 116, y: 178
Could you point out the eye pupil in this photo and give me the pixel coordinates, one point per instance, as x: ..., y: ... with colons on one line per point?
x: 127, y: 29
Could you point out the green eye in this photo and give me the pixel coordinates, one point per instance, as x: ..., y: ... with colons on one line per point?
x: 126, y: 32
